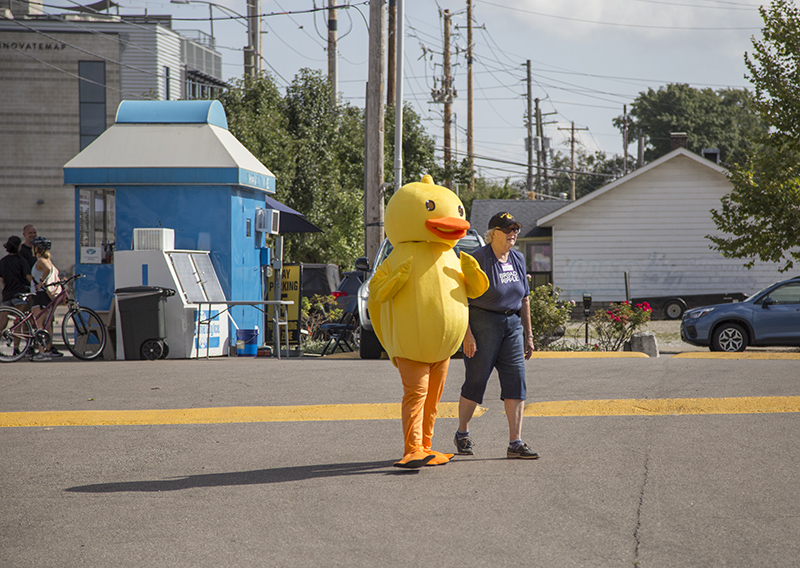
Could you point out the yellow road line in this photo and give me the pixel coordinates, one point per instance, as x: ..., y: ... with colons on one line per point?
x: 588, y: 355
x: 742, y: 355
x: 389, y: 411
x: 664, y: 406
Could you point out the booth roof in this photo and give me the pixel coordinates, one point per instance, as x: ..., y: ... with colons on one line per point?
x: 167, y: 146
x: 172, y: 154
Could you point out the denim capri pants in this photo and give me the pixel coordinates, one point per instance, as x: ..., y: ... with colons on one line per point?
x: 500, y: 345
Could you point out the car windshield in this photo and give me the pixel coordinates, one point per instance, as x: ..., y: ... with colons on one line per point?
x: 468, y: 244
x: 751, y: 296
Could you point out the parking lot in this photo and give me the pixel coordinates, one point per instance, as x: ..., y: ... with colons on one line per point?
x: 260, y: 462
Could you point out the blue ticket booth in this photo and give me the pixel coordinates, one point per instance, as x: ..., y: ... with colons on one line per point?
x: 172, y: 165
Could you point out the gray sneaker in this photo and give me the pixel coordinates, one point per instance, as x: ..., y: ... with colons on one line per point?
x: 41, y: 357
x: 464, y: 445
x: 523, y: 452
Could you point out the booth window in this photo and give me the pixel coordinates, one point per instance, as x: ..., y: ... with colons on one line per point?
x: 97, y: 229
x: 167, y: 83
x: 92, y: 97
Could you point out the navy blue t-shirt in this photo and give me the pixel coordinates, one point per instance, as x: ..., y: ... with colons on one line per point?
x: 508, y: 282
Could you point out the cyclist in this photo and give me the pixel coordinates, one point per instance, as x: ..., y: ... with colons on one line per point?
x: 44, y: 271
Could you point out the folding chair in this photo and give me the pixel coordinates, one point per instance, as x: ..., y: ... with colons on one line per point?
x: 341, y: 332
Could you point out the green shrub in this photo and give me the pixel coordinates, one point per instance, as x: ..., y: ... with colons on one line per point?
x: 316, y: 311
x: 549, y: 315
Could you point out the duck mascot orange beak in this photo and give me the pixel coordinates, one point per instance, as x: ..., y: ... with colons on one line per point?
x: 418, y: 304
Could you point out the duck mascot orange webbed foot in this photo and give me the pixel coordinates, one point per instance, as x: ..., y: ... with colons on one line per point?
x: 418, y: 304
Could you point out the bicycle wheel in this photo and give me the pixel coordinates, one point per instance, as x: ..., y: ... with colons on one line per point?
x: 84, y: 333
x: 16, y: 334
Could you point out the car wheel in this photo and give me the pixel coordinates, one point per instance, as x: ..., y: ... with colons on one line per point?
x: 673, y: 310
x: 729, y: 337
x: 369, y: 346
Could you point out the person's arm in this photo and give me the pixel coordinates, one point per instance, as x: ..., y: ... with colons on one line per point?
x: 469, y: 346
x: 525, y: 314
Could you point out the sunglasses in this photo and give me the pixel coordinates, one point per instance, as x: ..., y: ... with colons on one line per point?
x: 508, y: 230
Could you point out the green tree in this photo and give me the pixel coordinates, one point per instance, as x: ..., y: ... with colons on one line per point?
x: 724, y: 119
x: 761, y: 215
x: 316, y: 153
x: 485, y: 189
x: 596, y: 168
x: 418, y: 148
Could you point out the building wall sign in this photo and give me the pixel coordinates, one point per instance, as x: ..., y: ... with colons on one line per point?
x: 32, y: 46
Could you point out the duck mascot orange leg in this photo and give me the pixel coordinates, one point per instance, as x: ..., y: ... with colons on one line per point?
x: 418, y: 304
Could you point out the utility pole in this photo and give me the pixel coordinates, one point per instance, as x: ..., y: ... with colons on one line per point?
x: 398, y: 108
x: 373, y: 162
x: 333, y: 73
x: 470, y: 123
x: 540, y: 138
x: 572, y: 162
x: 252, y: 53
x: 446, y: 86
x: 529, y: 124
x: 625, y: 139
x: 391, y: 58
x: 542, y: 146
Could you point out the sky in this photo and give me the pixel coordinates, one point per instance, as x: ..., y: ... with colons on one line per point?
x: 588, y: 59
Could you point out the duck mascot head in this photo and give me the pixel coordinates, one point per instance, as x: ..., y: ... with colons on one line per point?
x: 418, y: 304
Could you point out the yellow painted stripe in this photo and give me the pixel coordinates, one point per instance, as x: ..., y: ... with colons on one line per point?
x: 225, y: 415
x: 588, y: 355
x: 391, y: 411
x: 664, y: 406
x: 742, y: 355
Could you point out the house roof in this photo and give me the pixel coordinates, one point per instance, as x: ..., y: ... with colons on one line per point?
x: 525, y: 211
x: 546, y: 221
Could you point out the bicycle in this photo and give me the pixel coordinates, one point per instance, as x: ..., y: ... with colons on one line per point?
x: 82, y: 330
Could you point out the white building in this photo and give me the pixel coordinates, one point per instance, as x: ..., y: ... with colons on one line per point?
x: 653, y: 224
x: 63, y: 78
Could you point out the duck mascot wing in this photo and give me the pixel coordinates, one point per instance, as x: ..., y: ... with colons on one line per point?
x: 418, y: 304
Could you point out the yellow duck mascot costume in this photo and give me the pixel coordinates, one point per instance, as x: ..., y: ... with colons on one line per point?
x: 418, y: 304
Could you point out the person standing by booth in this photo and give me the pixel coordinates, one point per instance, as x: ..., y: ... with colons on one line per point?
x: 26, y: 249
x: 498, y: 336
x: 15, y: 276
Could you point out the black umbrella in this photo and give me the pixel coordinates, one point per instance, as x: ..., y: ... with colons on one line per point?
x: 291, y: 220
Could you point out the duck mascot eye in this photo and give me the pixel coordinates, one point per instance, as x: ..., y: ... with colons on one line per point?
x: 418, y: 304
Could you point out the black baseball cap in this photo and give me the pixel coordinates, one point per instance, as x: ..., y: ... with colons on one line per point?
x: 503, y: 220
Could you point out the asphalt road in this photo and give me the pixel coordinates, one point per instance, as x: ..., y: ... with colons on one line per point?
x: 698, y: 489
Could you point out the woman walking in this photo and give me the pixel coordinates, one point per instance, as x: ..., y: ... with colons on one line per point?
x: 498, y: 337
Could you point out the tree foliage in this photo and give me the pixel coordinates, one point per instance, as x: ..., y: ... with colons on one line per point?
x: 761, y: 216
x: 596, y: 168
x: 724, y: 119
x: 418, y: 147
x: 316, y: 153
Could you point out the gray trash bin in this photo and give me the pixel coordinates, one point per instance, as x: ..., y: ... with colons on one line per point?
x: 142, y: 320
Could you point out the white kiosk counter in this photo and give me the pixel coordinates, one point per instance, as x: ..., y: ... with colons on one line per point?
x: 192, y: 275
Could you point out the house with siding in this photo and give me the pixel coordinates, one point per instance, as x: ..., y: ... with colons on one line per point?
x: 652, y: 224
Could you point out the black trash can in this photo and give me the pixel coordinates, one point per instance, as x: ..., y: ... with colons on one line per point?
x: 142, y: 319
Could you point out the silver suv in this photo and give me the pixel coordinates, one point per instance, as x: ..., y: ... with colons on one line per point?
x: 369, y: 346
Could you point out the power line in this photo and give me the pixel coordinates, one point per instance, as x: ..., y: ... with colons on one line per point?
x: 617, y: 24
